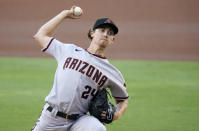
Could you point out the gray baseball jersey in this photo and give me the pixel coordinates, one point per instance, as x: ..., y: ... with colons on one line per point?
x: 78, y: 76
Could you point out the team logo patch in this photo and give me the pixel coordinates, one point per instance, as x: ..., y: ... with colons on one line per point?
x: 108, y: 21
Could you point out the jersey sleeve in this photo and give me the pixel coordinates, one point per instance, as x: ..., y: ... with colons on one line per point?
x: 57, y: 49
x: 117, y: 86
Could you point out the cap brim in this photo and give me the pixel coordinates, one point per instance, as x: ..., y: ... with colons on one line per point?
x: 115, y: 29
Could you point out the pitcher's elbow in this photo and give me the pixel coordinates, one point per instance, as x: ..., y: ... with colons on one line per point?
x: 37, y: 36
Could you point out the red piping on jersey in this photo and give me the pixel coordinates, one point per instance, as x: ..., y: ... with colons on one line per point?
x: 121, y: 98
x: 103, y: 57
x: 48, y: 45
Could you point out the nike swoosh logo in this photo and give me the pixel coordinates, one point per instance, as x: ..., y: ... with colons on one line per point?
x: 77, y: 50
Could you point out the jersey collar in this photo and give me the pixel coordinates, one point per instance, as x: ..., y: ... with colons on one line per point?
x: 102, y: 57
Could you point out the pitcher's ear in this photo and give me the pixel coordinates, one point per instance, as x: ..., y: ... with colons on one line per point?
x: 113, y: 39
x: 90, y: 34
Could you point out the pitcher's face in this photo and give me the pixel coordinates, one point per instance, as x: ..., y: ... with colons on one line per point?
x: 103, y: 35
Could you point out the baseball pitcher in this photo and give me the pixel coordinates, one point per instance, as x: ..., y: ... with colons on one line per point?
x: 78, y: 100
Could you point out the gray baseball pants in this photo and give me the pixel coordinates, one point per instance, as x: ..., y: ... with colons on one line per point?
x: 48, y: 121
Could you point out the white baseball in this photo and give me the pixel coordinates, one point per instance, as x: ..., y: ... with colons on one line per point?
x: 77, y: 11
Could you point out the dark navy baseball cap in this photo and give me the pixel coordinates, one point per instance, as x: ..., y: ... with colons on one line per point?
x: 106, y: 21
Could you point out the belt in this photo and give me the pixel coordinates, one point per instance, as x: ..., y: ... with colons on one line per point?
x: 63, y: 115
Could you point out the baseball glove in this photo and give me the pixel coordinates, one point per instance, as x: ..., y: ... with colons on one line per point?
x: 101, y: 108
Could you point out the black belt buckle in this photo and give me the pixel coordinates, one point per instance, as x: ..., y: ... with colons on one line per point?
x: 66, y: 117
